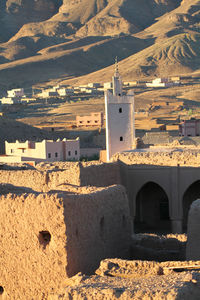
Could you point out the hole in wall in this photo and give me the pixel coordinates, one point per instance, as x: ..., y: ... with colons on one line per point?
x: 44, y: 238
x: 1, y: 290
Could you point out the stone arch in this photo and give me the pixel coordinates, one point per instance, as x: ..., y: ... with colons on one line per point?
x: 152, y: 209
x: 191, y: 194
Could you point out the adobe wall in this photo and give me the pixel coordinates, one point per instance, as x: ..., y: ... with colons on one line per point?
x: 162, y: 156
x: 53, y: 176
x: 47, y: 237
x: 193, y: 242
x: 99, y: 174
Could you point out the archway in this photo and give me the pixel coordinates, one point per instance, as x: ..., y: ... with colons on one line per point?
x: 191, y: 194
x: 152, y: 209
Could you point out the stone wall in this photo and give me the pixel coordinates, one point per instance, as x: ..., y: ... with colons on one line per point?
x: 46, y: 238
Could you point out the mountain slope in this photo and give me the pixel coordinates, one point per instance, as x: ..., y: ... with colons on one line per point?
x: 177, y: 55
x: 45, y: 40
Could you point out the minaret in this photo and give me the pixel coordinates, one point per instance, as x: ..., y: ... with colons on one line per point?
x: 120, y: 127
x: 117, y: 82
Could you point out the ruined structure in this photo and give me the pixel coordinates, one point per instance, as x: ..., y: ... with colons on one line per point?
x: 48, y: 237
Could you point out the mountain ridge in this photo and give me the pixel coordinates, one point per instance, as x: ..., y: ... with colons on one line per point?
x: 150, y: 38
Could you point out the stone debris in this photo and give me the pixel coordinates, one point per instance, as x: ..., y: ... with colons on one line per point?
x: 138, y: 285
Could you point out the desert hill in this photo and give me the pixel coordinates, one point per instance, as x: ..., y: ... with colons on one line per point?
x: 73, y: 38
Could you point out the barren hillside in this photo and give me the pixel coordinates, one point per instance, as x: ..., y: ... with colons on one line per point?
x: 73, y: 38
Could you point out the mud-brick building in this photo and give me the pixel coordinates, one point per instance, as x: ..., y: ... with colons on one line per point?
x: 46, y: 238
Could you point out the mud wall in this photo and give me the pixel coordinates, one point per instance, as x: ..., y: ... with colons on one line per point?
x: 158, y: 156
x: 46, y: 238
x: 100, y: 174
x: 76, y: 174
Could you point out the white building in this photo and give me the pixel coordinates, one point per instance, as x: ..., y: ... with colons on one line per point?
x: 119, y: 108
x: 15, y: 93
x: 65, y: 92
x: 161, y: 82
x: 108, y: 85
x: 10, y: 100
x: 47, y: 150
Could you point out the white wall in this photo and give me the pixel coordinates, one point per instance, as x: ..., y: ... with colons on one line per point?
x: 119, y: 124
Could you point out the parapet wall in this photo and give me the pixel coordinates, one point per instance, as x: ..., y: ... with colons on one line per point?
x: 76, y: 174
x: 161, y: 156
x: 46, y: 238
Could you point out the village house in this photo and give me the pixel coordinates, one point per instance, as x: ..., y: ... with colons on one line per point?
x: 94, y: 119
x: 15, y: 93
x: 190, y: 128
x: 46, y: 150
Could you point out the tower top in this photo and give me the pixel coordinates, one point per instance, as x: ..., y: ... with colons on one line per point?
x: 116, y: 67
x: 117, y: 82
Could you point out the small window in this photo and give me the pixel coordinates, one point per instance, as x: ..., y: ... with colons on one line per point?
x: 56, y: 154
x: 120, y: 110
x: 49, y: 155
x: 88, y: 121
x: 81, y: 122
x: 121, y: 138
x: 76, y: 152
x: 23, y: 150
x: 69, y: 153
x: 52, y: 129
x: 96, y: 121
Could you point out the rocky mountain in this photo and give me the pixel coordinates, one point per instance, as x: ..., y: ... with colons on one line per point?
x: 42, y: 40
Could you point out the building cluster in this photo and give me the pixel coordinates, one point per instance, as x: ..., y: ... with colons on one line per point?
x: 46, y: 150
x: 14, y: 96
x: 162, y: 82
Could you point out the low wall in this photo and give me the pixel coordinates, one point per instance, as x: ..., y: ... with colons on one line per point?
x: 48, y: 237
x: 161, y: 156
x: 100, y: 174
x: 52, y: 177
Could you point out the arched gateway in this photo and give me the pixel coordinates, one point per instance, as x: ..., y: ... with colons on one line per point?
x: 152, y: 209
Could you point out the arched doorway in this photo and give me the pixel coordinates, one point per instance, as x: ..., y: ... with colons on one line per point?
x: 191, y: 194
x: 152, y: 209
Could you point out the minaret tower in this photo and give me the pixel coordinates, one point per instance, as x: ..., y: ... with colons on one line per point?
x: 117, y: 82
x: 119, y: 108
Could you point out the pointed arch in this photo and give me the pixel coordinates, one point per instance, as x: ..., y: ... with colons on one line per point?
x: 152, y: 209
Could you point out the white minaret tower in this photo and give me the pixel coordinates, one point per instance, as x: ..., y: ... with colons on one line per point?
x: 119, y: 108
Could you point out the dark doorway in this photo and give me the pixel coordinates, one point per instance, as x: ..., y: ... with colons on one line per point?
x: 152, y: 209
x: 191, y: 194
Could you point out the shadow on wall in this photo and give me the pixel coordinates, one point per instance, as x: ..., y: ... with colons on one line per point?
x: 159, y: 195
x: 9, y: 188
x: 98, y: 226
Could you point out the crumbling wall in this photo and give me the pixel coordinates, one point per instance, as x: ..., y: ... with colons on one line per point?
x: 158, y: 248
x: 193, y: 243
x: 47, y: 237
x: 161, y: 157
x: 32, y: 179
x: 99, y: 174
x: 77, y: 174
